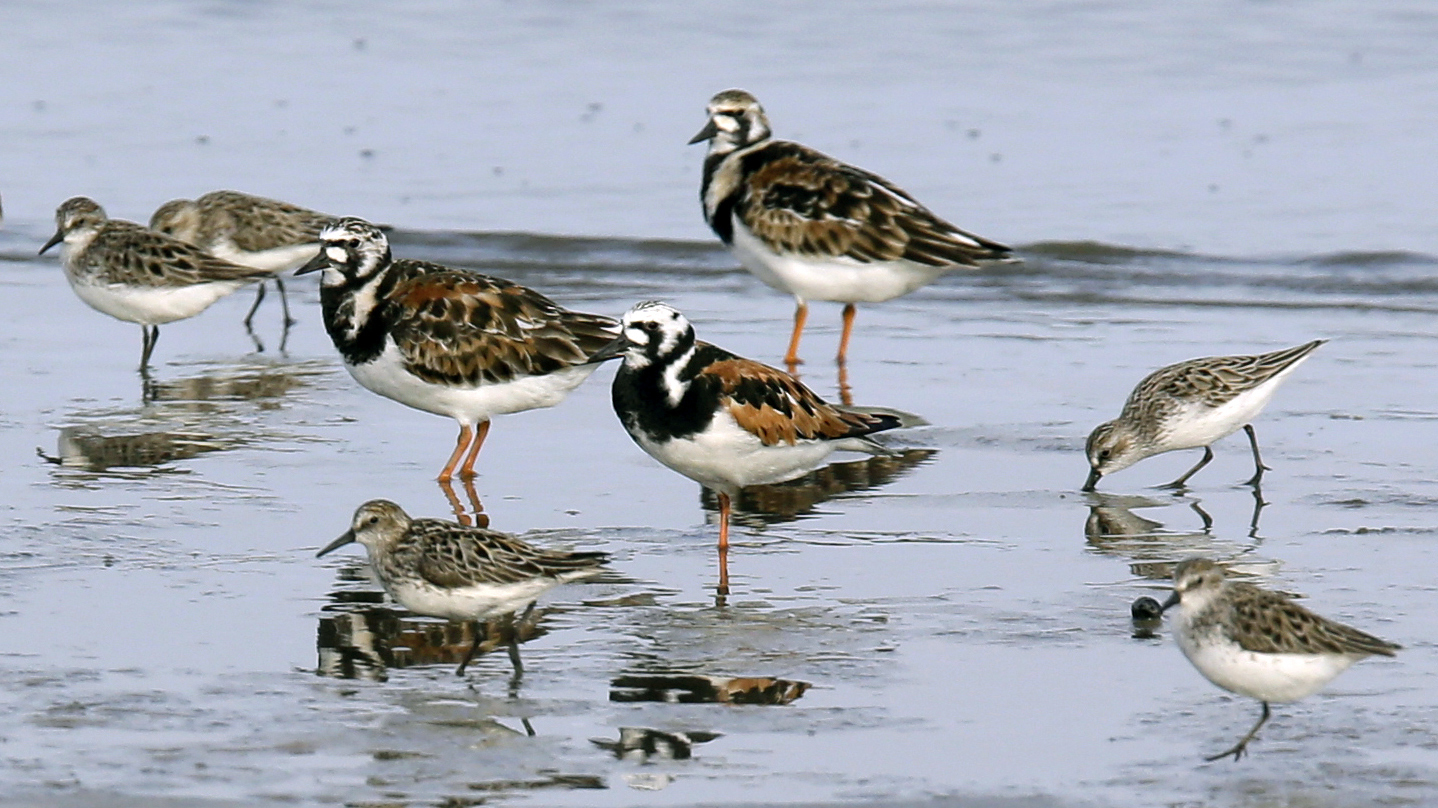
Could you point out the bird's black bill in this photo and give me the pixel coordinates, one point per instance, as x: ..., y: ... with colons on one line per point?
x: 1092, y: 482
x: 55, y: 239
x: 319, y: 262
x: 612, y: 350
x: 347, y: 538
x: 707, y: 133
x: 1168, y: 604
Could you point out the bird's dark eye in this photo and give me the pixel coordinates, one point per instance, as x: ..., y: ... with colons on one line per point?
x: 1103, y: 454
x: 650, y: 326
x: 373, y: 520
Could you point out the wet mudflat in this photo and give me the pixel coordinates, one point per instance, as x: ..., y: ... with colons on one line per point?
x: 950, y: 621
x: 948, y: 626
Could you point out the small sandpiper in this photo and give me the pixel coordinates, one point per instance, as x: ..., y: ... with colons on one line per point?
x: 137, y: 275
x: 466, y: 574
x: 724, y: 421
x: 1189, y: 405
x: 1257, y: 643
x: 449, y: 341
x: 251, y: 231
x: 816, y: 228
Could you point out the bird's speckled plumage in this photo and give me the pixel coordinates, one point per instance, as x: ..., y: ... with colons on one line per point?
x: 815, y: 227
x: 248, y: 223
x: 1191, y: 404
x: 1259, y: 643
x: 448, y: 341
x: 456, y: 572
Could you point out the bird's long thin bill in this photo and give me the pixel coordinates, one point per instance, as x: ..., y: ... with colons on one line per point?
x: 319, y: 262
x: 1168, y: 604
x: 707, y: 133
x: 1092, y: 482
x: 55, y: 239
x: 348, y: 537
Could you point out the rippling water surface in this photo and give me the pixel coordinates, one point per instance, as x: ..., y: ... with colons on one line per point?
x: 946, y: 626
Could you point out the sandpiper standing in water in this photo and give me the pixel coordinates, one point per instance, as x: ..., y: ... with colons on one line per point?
x: 137, y: 275
x: 1260, y: 644
x: 466, y: 574
x: 251, y: 231
x: 1189, y: 405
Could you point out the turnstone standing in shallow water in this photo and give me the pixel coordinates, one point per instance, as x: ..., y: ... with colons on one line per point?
x: 449, y: 341
x: 466, y: 574
x: 814, y: 227
x: 247, y: 230
x: 721, y: 420
x: 1192, y: 404
x: 138, y: 275
x: 1260, y: 644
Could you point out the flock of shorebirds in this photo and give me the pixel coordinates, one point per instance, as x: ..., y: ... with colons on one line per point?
x: 458, y: 343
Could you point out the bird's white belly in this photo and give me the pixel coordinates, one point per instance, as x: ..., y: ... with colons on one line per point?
x: 274, y: 261
x: 726, y: 458
x: 840, y: 279
x: 469, y: 405
x: 1276, y: 678
x: 152, y: 305
x: 1199, y: 425
x: 467, y: 603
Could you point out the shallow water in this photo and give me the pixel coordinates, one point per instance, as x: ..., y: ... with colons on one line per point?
x: 950, y: 626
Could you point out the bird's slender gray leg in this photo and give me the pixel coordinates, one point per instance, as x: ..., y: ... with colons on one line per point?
x: 259, y: 296
x: 1258, y: 467
x: 285, y: 304
x: 1239, y: 748
x: 151, y: 335
x: 479, y: 636
x: 1207, y: 456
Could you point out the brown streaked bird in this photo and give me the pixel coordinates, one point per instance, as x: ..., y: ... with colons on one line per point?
x: 1189, y: 405
x: 137, y: 275
x: 449, y: 341
x: 466, y: 574
x: 724, y: 421
x: 1258, y: 643
x: 251, y: 231
x: 817, y: 228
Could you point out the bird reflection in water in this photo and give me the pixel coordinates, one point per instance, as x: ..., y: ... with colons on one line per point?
x: 1112, y: 528
x: 642, y: 745
x: 761, y: 505
x: 475, y: 518
x: 685, y: 688
x: 361, y: 638
x: 88, y: 448
x: 263, y: 383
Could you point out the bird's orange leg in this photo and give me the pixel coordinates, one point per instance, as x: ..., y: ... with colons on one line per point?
x: 801, y: 314
x: 849, y: 312
x: 723, y: 544
x: 466, y: 472
x: 464, y: 435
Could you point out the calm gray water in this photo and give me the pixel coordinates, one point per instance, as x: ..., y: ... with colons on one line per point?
x: 949, y: 627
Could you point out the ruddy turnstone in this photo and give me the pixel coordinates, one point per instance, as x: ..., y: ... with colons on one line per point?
x: 1192, y: 404
x: 466, y: 574
x: 721, y: 420
x: 449, y: 341
x: 1260, y: 644
x: 138, y: 275
x: 251, y: 231
x: 814, y: 227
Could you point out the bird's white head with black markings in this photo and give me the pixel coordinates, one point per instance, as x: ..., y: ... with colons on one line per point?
x: 651, y: 332
x: 351, y: 252
x: 735, y: 120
